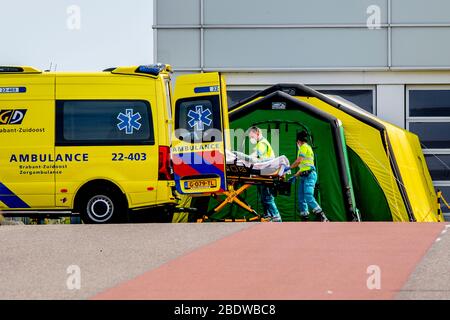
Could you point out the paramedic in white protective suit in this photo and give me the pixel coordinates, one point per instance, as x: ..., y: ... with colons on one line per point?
x: 263, y: 151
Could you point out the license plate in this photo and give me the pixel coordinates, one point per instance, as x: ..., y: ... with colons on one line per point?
x: 201, y: 184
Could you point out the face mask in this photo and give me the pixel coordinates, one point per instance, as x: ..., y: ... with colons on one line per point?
x: 253, y: 141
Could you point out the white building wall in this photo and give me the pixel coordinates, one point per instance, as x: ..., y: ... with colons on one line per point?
x: 389, y: 98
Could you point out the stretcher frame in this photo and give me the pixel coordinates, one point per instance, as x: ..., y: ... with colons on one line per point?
x: 239, y: 179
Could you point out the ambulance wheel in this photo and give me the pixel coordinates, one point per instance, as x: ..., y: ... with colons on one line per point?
x: 102, y: 206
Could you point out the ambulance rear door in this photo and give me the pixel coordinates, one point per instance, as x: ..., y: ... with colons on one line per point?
x: 201, y: 123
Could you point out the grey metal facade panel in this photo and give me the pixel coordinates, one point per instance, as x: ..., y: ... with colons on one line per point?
x: 408, y: 39
x: 420, y: 11
x: 295, y: 48
x: 291, y: 11
x: 177, y: 12
x: 180, y: 48
x: 421, y: 47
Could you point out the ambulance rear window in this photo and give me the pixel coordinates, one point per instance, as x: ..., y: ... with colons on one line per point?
x: 199, y: 118
x: 104, y: 123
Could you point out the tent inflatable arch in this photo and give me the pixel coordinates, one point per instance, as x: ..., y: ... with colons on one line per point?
x: 387, y: 174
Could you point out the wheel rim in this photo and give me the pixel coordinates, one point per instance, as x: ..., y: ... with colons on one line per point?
x: 100, y: 208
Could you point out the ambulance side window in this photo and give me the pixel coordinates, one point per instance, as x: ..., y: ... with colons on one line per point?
x: 198, y: 119
x: 93, y: 122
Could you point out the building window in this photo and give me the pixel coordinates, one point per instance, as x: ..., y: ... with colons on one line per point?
x: 363, y: 98
x: 428, y: 116
x: 429, y: 103
x: 438, y: 165
x: 103, y: 123
x: 433, y: 135
x: 236, y: 96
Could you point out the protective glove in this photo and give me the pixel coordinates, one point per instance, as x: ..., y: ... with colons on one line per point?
x: 285, y: 169
x: 292, y: 179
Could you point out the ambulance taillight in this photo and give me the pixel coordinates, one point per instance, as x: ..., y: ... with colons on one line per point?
x: 164, y: 170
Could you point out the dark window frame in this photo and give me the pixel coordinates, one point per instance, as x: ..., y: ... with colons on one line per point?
x: 231, y: 94
x: 416, y: 108
x: 244, y: 94
x: 419, y: 117
x: 339, y: 92
x: 417, y: 126
x: 60, y: 141
x: 439, y: 171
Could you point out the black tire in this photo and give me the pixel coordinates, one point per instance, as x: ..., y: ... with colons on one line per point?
x: 102, y: 205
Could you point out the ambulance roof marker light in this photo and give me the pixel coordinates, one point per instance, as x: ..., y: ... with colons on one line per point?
x: 151, y: 70
x: 10, y: 69
x: 154, y: 69
x: 15, y: 69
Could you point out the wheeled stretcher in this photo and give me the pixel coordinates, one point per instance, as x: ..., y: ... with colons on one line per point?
x: 244, y: 171
x: 253, y: 167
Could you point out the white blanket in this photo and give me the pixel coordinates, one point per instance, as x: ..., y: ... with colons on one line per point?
x: 276, y: 166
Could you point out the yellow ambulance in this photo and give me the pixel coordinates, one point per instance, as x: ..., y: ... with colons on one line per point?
x: 96, y: 144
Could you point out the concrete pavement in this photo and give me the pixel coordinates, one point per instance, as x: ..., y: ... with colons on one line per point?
x: 226, y: 261
x: 34, y: 259
x: 431, y: 278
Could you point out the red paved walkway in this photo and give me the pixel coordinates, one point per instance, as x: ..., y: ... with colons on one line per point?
x: 290, y: 261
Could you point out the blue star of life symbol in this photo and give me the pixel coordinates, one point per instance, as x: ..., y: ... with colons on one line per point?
x: 129, y: 121
x: 199, y: 118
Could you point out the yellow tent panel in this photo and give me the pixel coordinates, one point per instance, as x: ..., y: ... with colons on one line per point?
x: 415, y: 177
x: 366, y: 142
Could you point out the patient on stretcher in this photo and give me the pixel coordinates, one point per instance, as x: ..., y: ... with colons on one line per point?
x: 278, y: 166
